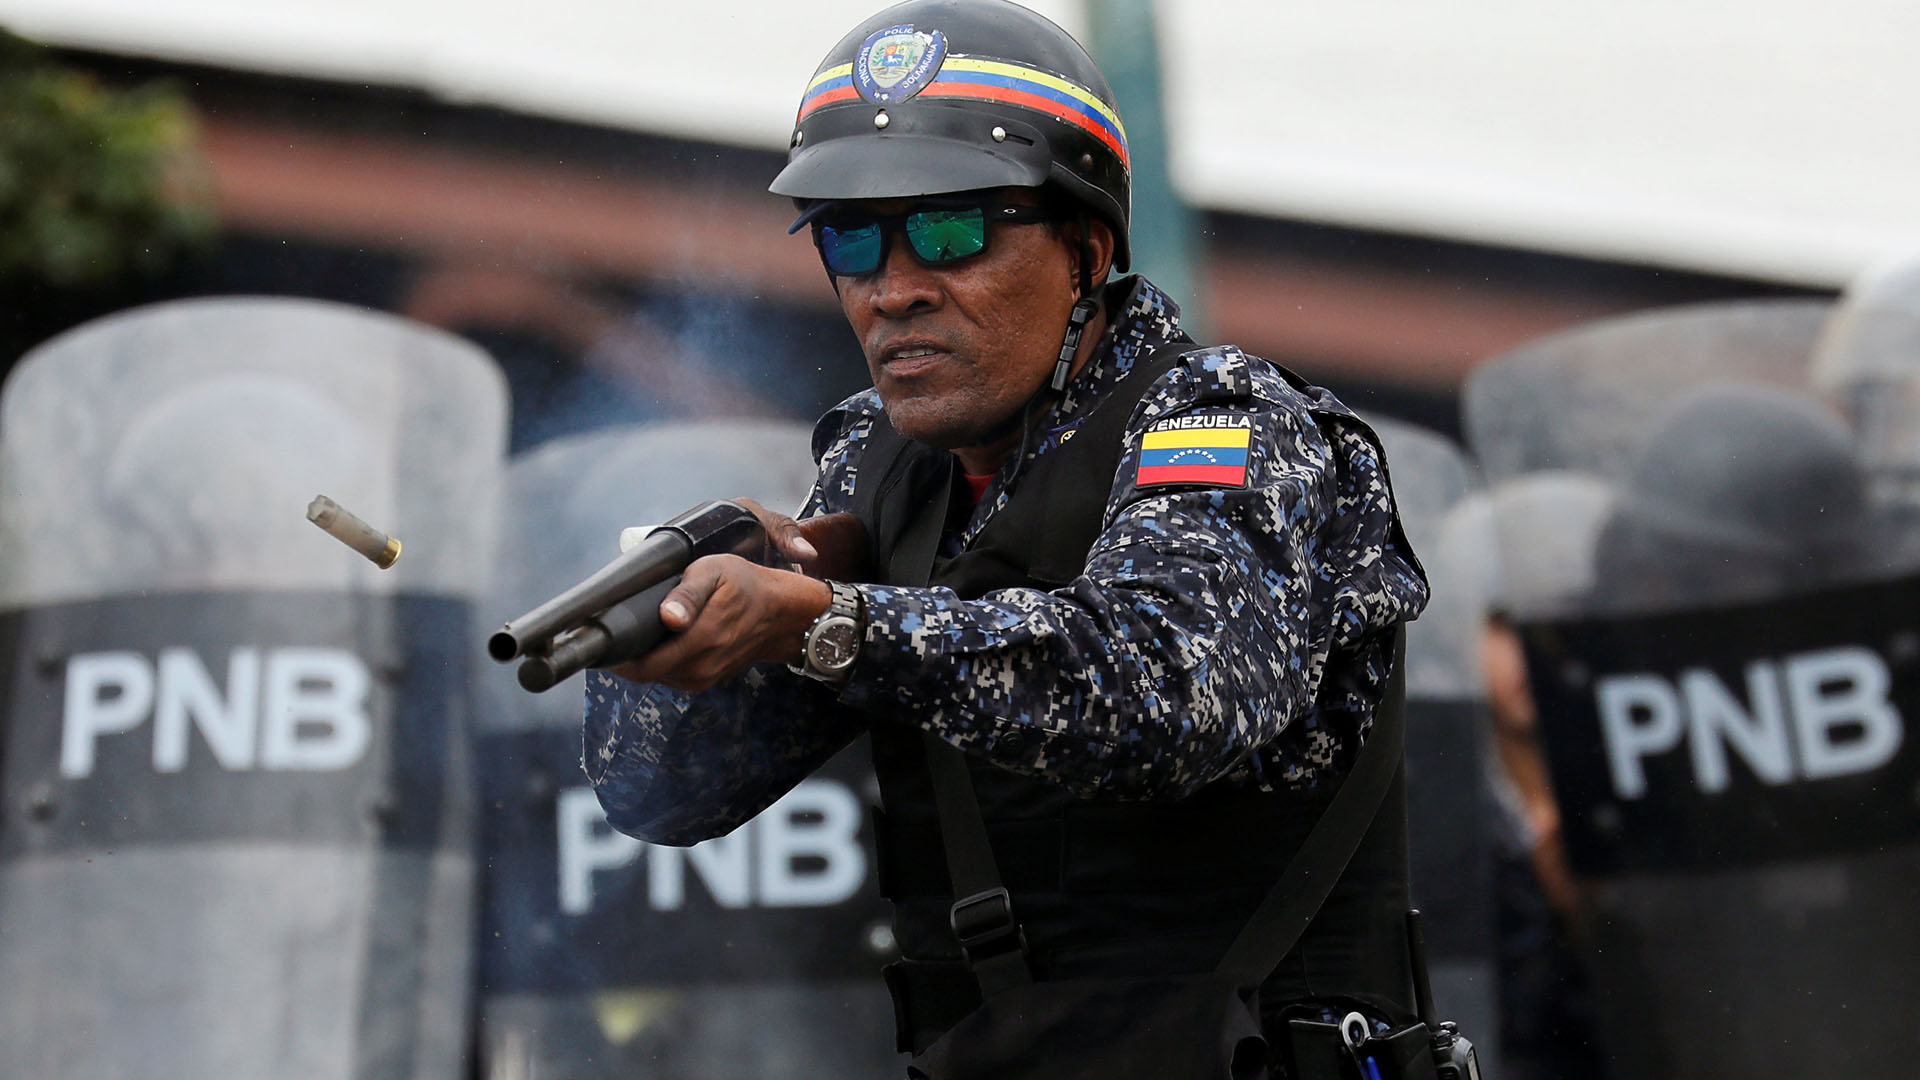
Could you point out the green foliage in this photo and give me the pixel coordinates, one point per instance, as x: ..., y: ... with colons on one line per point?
x: 95, y: 184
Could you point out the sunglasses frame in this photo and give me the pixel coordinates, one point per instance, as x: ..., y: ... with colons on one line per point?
x: 992, y: 213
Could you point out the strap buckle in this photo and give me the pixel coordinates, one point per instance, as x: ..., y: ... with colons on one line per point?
x: 985, y: 926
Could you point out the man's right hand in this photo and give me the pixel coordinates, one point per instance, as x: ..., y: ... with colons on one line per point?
x: 728, y: 613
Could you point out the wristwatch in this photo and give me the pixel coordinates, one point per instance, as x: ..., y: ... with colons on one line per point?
x: 833, y: 641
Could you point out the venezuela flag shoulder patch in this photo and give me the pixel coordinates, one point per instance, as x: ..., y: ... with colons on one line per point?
x: 1209, y: 450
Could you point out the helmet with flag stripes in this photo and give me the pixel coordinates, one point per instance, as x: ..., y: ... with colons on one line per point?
x: 932, y: 97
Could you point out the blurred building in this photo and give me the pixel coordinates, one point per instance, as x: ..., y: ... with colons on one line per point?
x: 623, y: 267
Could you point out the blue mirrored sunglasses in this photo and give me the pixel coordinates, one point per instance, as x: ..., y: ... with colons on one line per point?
x: 853, y: 244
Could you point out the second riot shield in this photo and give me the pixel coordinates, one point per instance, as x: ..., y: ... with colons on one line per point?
x: 754, y: 956
x: 1584, y: 399
x: 1723, y: 699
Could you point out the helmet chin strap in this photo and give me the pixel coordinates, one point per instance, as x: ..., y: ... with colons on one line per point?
x: 1083, y: 310
x: 1081, y: 314
x: 1077, y: 319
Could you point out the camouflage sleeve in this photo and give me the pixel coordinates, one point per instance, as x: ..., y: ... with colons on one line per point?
x: 1203, y: 625
x: 678, y: 768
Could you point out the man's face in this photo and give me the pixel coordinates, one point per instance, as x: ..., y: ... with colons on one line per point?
x: 956, y: 350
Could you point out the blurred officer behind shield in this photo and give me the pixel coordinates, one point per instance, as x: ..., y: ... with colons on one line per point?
x: 1134, y: 599
x: 1722, y: 702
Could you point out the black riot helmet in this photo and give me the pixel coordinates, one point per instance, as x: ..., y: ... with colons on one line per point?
x: 932, y: 97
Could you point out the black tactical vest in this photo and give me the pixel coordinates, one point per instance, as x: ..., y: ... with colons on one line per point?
x: 1100, y: 886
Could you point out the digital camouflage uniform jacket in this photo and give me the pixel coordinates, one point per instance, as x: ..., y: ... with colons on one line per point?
x: 1220, y: 631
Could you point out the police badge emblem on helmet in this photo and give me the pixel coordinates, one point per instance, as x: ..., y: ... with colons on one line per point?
x: 894, y: 63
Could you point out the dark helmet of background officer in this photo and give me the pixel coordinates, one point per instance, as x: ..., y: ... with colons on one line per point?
x: 1744, y: 492
x: 934, y: 97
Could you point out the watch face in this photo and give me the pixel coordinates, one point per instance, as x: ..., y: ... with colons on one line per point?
x: 834, y: 644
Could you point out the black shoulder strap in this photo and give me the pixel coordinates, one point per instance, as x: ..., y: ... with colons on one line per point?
x: 991, y: 941
x: 891, y: 467
x: 982, y: 913
x: 1065, y: 532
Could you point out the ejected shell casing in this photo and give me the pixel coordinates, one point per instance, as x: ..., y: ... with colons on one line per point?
x: 379, y: 548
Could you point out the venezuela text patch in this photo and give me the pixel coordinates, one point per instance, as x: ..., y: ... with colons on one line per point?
x: 1195, y: 450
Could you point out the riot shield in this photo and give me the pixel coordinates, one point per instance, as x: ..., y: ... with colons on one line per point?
x: 1450, y: 812
x: 235, y: 812
x: 1723, y: 708
x: 755, y: 955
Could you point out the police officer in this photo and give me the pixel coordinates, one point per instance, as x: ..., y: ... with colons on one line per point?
x: 1150, y: 589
